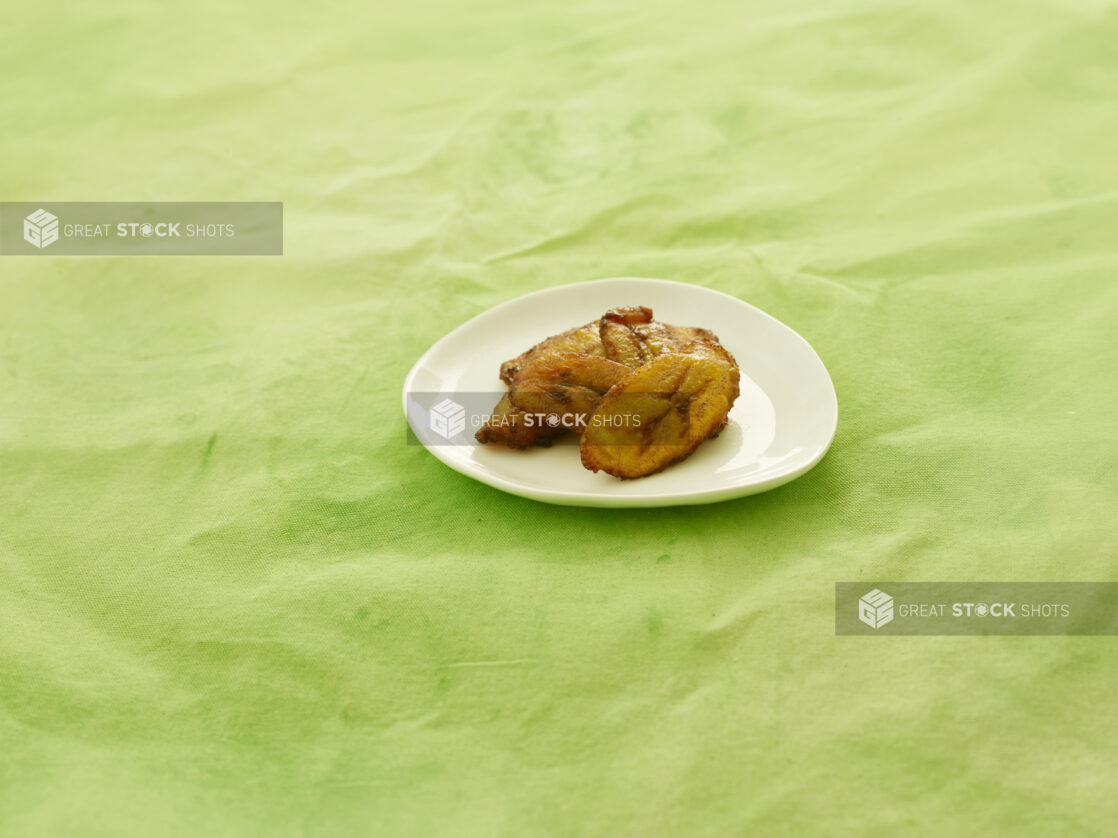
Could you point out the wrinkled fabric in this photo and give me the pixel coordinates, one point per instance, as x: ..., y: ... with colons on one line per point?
x: 234, y: 602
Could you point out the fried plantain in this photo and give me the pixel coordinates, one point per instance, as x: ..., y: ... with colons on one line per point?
x: 631, y: 337
x: 584, y: 340
x: 628, y: 315
x: 658, y: 337
x: 567, y: 386
x: 619, y: 341
x: 592, y: 371
x: 509, y: 425
x: 661, y: 412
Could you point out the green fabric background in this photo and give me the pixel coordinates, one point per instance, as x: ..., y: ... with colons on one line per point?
x: 234, y: 602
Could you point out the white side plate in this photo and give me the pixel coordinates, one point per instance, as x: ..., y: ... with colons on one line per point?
x: 781, y: 425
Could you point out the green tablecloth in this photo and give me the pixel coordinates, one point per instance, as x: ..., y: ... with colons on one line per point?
x: 234, y: 602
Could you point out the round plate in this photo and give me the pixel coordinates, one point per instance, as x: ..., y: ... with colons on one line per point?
x: 781, y: 425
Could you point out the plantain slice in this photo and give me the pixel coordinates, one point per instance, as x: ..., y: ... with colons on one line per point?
x: 661, y: 412
x: 619, y: 341
x: 583, y: 340
x: 628, y: 315
x: 631, y: 337
x: 567, y: 386
x: 658, y: 337
x: 509, y: 425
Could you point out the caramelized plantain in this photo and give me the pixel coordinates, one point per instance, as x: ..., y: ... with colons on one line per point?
x: 565, y: 385
x: 509, y: 425
x: 619, y: 341
x: 677, y: 382
x: 628, y: 315
x: 658, y: 337
x: 661, y: 412
x: 581, y: 341
x: 631, y: 337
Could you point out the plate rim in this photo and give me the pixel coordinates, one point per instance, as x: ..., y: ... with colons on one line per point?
x: 569, y: 498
